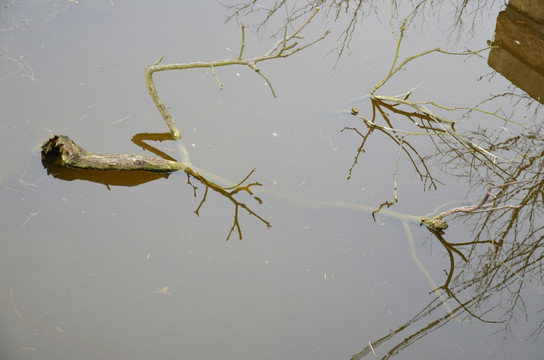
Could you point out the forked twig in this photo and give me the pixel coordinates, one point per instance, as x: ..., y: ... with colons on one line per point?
x: 285, y: 47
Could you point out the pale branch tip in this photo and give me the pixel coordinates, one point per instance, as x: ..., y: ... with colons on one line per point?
x: 243, y: 42
x: 159, y: 61
x: 484, y: 205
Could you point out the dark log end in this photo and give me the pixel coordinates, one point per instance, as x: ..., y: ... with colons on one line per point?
x: 61, y: 145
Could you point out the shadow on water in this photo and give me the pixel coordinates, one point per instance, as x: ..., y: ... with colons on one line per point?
x: 66, y: 160
x: 53, y: 164
x: 108, y: 178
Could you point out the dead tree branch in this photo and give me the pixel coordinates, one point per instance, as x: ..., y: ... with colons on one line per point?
x: 483, y: 205
x: 74, y: 156
x: 287, y: 46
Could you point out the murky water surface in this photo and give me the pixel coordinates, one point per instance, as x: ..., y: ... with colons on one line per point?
x: 100, y: 265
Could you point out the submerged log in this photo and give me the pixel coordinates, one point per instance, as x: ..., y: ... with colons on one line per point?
x: 72, y: 155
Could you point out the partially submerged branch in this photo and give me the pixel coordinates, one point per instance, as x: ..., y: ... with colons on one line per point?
x: 437, y: 224
x: 394, y: 69
x: 74, y: 156
x: 424, y: 120
x: 287, y: 46
x: 447, y: 125
x: 484, y: 205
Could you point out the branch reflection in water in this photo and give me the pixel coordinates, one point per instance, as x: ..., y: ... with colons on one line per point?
x: 499, y: 158
x: 60, y: 150
x: 65, y: 160
x: 503, y: 259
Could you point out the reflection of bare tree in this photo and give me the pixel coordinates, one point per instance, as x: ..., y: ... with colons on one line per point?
x: 489, y: 274
x: 424, y: 125
x: 516, y: 257
x: 356, y: 10
x: 465, y: 19
x: 487, y: 277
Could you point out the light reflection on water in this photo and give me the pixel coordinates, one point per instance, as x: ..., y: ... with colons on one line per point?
x: 91, y: 271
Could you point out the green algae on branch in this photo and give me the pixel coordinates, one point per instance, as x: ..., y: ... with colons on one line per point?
x: 434, y: 223
x: 72, y: 155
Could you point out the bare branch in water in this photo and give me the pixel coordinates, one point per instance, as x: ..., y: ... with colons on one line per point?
x: 74, y: 156
x: 287, y: 46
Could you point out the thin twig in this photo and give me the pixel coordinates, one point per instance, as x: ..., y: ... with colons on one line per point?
x: 482, y: 206
x: 14, y: 306
x: 243, y: 27
x: 283, y: 48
